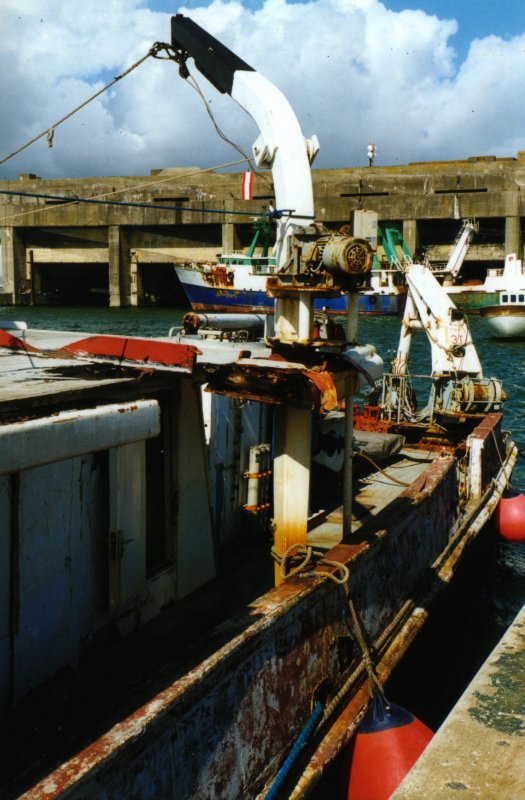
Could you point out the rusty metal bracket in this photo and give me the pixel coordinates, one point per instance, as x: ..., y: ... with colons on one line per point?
x: 326, y: 386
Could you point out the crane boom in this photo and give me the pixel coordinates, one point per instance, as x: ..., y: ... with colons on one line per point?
x: 280, y: 146
x: 459, y: 249
x: 430, y: 308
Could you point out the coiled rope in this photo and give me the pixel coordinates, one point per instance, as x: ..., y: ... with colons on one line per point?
x: 303, y: 561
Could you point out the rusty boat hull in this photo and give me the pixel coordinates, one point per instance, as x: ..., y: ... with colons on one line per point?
x: 218, y: 718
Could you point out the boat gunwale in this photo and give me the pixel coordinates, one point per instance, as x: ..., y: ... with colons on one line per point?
x: 268, y: 609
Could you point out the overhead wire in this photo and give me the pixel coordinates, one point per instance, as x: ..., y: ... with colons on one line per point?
x: 50, y: 130
x: 162, y: 207
x: 132, y: 188
x: 154, y: 52
x: 195, y: 86
x: 192, y: 81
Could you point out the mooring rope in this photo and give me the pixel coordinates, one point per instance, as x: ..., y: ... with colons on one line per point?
x: 303, y: 561
x: 502, y: 463
x: 382, y: 471
x: 298, y: 558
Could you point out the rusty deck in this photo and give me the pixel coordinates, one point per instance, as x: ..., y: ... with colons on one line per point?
x: 205, y: 700
x: 373, y: 492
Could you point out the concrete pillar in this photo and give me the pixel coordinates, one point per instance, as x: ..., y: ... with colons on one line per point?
x: 513, y: 235
x: 36, y: 279
x: 230, y: 240
x: 136, y: 288
x: 291, y: 478
x: 410, y: 235
x: 119, y: 267
x: 14, y: 265
x: 31, y: 277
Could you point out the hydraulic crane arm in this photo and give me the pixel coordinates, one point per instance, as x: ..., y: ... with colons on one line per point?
x: 430, y: 308
x: 461, y: 245
x: 281, y: 145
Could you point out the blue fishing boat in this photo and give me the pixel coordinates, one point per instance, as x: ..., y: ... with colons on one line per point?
x: 237, y: 282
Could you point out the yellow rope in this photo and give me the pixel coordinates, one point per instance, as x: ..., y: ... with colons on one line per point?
x: 382, y: 471
x: 296, y: 560
x: 372, y: 679
x: 507, y: 480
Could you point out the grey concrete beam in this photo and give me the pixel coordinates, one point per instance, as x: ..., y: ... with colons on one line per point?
x: 14, y: 264
x: 119, y: 274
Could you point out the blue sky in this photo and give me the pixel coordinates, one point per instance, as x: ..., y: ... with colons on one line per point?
x: 476, y: 18
x: 423, y: 80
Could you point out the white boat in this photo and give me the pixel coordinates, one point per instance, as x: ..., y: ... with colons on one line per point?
x: 506, y: 320
x: 475, y: 296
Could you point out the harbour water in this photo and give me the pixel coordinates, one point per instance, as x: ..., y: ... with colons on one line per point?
x: 491, y: 588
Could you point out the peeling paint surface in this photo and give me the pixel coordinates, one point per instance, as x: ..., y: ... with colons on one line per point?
x: 218, y: 730
x: 229, y: 706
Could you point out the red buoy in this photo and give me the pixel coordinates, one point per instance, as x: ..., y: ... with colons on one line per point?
x: 509, y: 516
x: 388, y: 743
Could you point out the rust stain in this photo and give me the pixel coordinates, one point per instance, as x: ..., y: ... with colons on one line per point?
x: 323, y: 381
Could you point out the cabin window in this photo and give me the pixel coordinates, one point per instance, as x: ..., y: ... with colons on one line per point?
x: 505, y: 298
x: 513, y: 298
x: 521, y: 298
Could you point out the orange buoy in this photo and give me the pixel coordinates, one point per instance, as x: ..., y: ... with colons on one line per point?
x: 388, y: 743
x: 509, y: 516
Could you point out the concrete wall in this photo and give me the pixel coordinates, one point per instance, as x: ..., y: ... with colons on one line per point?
x: 427, y: 200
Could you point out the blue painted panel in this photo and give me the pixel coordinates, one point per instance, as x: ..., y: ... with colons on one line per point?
x: 213, y: 299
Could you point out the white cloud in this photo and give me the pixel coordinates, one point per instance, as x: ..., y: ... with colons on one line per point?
x: 353, y: 70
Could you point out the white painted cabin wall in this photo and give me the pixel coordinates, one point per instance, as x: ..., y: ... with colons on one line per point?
x: 233, y: 429
x: 51, y: 526
x: 66, y: 510
x: 195, y: 557
x: 63, y: 592
x: 127, y: 496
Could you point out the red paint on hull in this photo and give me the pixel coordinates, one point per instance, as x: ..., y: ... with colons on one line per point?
x: 140, y: 350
